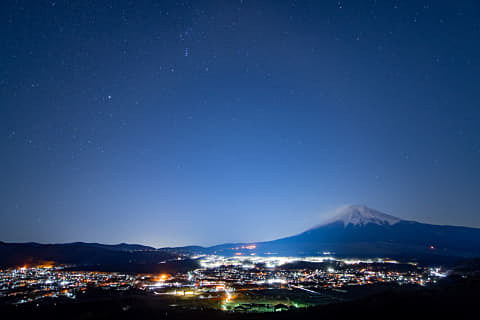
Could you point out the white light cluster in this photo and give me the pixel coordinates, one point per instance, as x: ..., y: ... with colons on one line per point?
x: 248, y: 262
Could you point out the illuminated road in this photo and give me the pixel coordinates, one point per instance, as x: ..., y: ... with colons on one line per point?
x: 304, y: 289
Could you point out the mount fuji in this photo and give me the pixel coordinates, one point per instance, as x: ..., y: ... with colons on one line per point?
x: 359, y: 231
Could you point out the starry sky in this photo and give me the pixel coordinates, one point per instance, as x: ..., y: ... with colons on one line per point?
x: 201, y: 122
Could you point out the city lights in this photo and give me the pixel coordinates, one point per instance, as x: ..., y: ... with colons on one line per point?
x: 220, y: 281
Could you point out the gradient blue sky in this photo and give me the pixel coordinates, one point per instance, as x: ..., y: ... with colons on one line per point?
x: 202, y: 122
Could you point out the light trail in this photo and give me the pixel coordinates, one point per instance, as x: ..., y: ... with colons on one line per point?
x: 305, y: 289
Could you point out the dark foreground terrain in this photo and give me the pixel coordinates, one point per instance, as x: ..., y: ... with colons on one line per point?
x: 455, y: 298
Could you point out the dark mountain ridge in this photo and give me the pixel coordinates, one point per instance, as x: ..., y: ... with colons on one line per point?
x: 90, y: 256
x: 356, y: 231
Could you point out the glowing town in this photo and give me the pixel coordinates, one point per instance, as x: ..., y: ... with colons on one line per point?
x: 235, y: 284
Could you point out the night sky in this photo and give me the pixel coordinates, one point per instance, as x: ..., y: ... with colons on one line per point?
x: 203, y: 122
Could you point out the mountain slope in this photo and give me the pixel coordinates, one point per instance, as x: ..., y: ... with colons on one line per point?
x: 356, y: 231
x: 361, y: 231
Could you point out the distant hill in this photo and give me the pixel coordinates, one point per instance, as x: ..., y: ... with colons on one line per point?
x: 92, y: 256
x: 119, y: 247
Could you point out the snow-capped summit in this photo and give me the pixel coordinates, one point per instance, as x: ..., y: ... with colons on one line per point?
x: 359, y: 231
x: 360, y: 215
